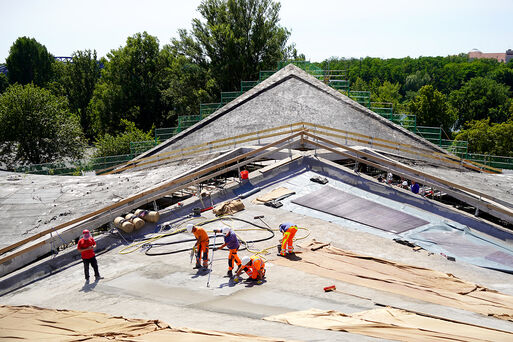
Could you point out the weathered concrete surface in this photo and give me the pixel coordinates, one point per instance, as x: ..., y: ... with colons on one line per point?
x: 167, y: 288
x: 291, y: 95
x: 34, y: 203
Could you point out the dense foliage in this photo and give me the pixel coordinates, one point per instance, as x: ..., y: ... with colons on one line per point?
x: 29, y: 61
x: 142, y: 85
x: 109, y: 145
x: 37, y: 127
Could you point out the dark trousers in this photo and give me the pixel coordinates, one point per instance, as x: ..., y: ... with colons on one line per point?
x: 92, y: 261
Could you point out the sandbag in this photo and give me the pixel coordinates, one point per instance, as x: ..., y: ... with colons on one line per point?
x: 127, y: 227
x: 129, y: 216
x: 228, y: 208
x: 117, y: 221
x: 152, y: 216
x: 138, y: 212
x: 138, y: 223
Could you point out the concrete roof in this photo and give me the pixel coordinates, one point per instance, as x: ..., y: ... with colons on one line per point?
x: 289, y: 96
x: 167, y: 288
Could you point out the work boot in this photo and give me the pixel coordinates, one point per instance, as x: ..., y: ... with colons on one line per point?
x: 229, y: 273
x: 198, y: 266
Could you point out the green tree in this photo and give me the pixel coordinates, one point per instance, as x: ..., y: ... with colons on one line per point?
x: 79, y: 82
x: 430, y: 107
x: 37, y: 127
x: 130, y: 86
x: 110, y: 145
x: 388, y: 92
x: 416, y: 81
x: 236, y: 39
x: 4, y: 82
x: 480, y: 98
x: 29, y: 61
x: 187, y: 85
x: 488, y: 138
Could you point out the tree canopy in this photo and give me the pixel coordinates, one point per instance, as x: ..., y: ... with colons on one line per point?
x: 37, y: 127
x: 29, y: 61
x: 235, y: 40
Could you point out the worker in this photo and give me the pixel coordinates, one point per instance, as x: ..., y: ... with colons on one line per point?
x: 86, y: 246
x: 254, y: 266
x: 201, y: 246
x: 289, y: 231
x: 415, y: 187
x: 230, y: 241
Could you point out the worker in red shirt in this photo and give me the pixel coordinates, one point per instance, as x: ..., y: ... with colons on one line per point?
x: 289, y: 231
x: 201, y: 245
x: 86, y: 246
x: 254, y: 266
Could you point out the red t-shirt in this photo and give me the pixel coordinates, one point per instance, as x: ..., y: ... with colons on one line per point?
x: 84, y: 243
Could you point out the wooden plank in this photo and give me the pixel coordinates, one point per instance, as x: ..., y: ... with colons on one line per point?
x: 148, y: 192
x: 493, y: 205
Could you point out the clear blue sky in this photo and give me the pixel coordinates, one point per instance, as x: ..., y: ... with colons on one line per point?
x: 320, y: 28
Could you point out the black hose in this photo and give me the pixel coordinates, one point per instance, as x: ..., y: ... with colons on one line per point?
x: 245, y: 243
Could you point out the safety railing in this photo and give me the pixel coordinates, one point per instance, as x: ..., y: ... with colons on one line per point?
x: 247, y: 85
x: 382, y: 107
x: 138, y: 147
x: 162, y: 134
x: 209, y: 108
x: 228, y: 96
x: 360, y: 96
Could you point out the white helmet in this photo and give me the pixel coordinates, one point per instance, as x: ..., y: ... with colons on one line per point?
x: 245, y: 260
x: 189, y: 228
x: 226, y: 230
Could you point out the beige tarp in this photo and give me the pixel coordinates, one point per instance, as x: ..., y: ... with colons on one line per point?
x: 228, y: 208
x: 411, y: 281
x: 274, y: 194
x: 393, y: 324
x: 31, y: 323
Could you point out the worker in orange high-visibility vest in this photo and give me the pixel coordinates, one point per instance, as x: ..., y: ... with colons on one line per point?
x: 289, y: 231
x: 254, y: 266
x: 201, y: 246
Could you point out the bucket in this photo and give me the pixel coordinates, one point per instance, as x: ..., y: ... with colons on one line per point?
x: 196, y: 211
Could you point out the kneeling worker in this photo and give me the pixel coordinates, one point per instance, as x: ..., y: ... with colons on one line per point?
x: 201, y: 245
x: 254, y: 267
x: 289, y: 231
x: 230, y: 240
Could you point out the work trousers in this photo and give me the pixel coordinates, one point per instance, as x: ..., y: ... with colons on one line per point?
x: 91, y: 261
x: 252, y: 272
x: 286, y: 244
x: 233, y: 257
x: 202, y: 253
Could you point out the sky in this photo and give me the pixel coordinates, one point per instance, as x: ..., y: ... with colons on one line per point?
x: 321, y: 29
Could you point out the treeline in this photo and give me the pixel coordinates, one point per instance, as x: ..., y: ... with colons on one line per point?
x: 51, y: 110
x: 470, y: 100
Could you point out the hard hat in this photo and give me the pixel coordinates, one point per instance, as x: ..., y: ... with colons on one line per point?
x: 85, y: 231
x: 405, y: 183
x: 226, y: 230
x: 245, y: 260
x: 189, y: 228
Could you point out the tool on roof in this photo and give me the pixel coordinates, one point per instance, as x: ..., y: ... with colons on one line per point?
x: 260, y: 217
x: 275, y: 203
x: 212, y: 260
x: 319, y: 179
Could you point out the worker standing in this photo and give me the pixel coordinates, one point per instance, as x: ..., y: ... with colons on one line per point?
x: 230, y: 241
x: 201, y: 245
x: 254, y: 266
x: 86, y: 246
x: 289, y: 231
